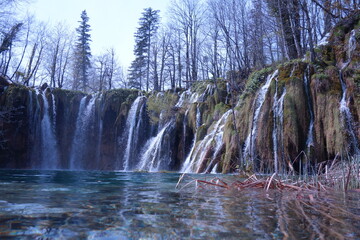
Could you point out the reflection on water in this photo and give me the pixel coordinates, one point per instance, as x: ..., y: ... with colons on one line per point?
x: 112, y: 205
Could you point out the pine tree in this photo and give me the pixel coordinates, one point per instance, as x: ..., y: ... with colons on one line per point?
x: 82, y: 53
x: 140, y: 67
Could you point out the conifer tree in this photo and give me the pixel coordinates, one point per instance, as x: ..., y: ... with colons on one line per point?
x: 82, y: 54
x: 140, y: 67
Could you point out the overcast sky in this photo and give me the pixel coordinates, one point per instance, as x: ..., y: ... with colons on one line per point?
x: 113, y: 22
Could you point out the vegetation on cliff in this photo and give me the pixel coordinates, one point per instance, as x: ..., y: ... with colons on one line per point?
x: 281, y: 118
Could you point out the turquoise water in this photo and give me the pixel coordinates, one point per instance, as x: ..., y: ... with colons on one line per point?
x: 113, y: 205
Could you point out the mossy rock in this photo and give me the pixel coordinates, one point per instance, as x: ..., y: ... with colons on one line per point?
x: 326, y: 54
x: 199, y: 86
x: 115, y: 97
x: 191, y: 121
x: 161, y: 103
x: 290, y: 72
x: 220, y: 109
x: 229, y: 159
x: 15, y: 96
x: 328, y: 81
x: 221, y: 92
x: 201, y: 132
x: 67, y: 94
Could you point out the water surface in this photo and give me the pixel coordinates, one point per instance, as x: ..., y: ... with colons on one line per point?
x: 113, y: 205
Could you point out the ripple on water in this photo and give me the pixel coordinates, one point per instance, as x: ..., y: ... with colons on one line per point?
x: 94, y: 205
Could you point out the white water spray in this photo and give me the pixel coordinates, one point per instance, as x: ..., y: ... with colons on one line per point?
x: 249, y: 148
x: 49, y: 150
x: 213, y: 140
x: 278, y: 110
x: 344, y: 108
x: 133, y: 124
x: 80, y: 137
x: 151, y: 159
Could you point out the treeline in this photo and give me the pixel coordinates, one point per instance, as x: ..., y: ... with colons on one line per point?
x: 209, y: 39
x: 227, y: 39
x: 33, y: 53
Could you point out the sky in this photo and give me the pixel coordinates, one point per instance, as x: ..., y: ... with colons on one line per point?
x: 113, y: 22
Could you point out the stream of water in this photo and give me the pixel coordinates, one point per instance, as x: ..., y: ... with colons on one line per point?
x: 114, y: 205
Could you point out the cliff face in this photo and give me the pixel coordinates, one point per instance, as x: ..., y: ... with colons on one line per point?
x: 288, y: 117
x: 40, y: 126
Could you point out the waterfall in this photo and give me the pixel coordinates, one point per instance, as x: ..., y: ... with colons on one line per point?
x: 156, y: 153
x: 53, y: 111
x: 310, y: 135
x: 184, y: 131
x: 198, y: 117
x: 344, y: 108
x: 200, y: 151
x: 188, y: 98
x: 278, y: 113
x: 228, y: 92
x: 346, y: 114
x: 80, y: 140
x: 213, y: 171
x: 351, y: 44
x: 194, y: 98
x: 100, y: 127
x: 249, y: 149
x: 210, y: 89
x: 49, y: 150
x: 133, y: 128
x: 183, y: 98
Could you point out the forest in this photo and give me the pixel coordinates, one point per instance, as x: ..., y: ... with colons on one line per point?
x: 200, y: 40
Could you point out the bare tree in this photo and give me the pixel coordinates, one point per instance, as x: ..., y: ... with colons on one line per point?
x: 36, y: 54
x: 106, y: 66
x: 187, y: 16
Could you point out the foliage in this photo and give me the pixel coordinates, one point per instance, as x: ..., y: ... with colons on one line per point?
x: 255, y: 80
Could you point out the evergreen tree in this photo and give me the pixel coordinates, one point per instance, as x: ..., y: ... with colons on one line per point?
x: 140, y: 67
x: 82, y: 54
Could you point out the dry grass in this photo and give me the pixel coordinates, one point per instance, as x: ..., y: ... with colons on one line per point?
x: 332, y: 175
x: 308, y: 198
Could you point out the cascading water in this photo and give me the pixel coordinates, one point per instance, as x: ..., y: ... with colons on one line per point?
x: 213, y: 171
x: 212, y: 141
x: 153, y: 155
x: 133, y: 126
x: 344, y: 108
x: 81, y: 133
x: 185, y: 131
x: 100, y: 128
x: 183, y: 98
x: 310, y: 135
x: 198, y: 117
x: 49, y: 150
x: 228, y: 91
x: 53, y: 111
x: 210, y: 89
x: 278, y: 111
x: 249, y: 149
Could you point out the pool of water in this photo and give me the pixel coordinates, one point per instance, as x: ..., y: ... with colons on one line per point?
x: 113, y: 205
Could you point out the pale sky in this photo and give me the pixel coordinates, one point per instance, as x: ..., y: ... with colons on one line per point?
x: 113, y: 22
